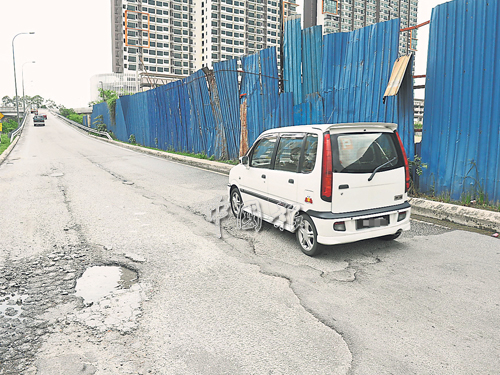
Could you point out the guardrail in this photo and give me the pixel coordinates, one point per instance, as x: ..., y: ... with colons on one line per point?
x: 83, y: 127
x: 19, y: 128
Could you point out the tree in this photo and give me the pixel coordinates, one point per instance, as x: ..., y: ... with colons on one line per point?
x: 66, y: 112
x: 7, y: 101
x: 50, y: 104
x: 37, y: 101
x: 9, y: 125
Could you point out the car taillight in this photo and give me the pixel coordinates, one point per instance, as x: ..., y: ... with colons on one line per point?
x: 326, y: 170
x: 407, y: 168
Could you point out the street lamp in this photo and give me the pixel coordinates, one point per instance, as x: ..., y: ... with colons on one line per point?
x: 15, y: 78
x: 22, y: 75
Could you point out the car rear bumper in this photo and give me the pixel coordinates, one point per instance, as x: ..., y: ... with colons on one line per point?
x: 352, y: 233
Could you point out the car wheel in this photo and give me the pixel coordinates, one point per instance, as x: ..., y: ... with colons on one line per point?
x: 307, y: 236
x: 236, y: 201
x: 391, y: 237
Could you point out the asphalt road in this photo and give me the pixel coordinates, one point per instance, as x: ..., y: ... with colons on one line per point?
x: 247, y: 303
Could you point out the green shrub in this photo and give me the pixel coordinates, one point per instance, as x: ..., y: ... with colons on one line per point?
x: 9, y: 125
x: 76, y: 118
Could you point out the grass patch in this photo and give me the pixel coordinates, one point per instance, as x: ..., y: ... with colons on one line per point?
x: 5, y: 142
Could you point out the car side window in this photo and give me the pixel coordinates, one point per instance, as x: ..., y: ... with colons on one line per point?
x: 288, y: 154
x: 262, y: 153
x: 310, y: 150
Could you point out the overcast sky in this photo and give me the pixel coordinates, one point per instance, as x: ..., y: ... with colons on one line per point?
x: 73, y: 42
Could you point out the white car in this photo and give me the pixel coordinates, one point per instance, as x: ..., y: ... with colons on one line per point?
x: 329, y: 183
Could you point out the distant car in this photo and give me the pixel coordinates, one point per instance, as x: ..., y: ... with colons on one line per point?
x: 38, y: 120
x: 44, y: 116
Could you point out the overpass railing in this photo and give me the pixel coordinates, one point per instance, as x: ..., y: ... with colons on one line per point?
x: 80, y: 126
x: 14, y: 133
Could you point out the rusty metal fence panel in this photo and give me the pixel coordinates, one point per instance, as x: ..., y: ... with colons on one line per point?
x: 461, y: 128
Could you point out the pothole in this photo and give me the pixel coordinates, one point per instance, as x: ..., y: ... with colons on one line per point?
x: 100, y: 281
x: 10, y: 305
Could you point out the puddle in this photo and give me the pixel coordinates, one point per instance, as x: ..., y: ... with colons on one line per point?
x: 100, y: 281
x: 10, y: 305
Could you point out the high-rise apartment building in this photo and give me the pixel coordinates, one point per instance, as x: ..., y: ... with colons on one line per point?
x: 153, y: 36
x: 232, y: 28
x: 174, y: 38
x: 348, y: 15
x: 178, y: 37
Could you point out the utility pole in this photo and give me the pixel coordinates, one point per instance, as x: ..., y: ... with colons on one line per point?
x: 15, y: 78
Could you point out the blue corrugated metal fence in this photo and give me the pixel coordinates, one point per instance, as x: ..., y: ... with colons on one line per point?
x: 335, y: 78
x: 461, y: 132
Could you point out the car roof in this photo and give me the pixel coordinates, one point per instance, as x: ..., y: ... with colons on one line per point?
x: 353, y: 126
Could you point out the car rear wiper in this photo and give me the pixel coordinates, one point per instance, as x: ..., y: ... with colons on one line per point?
x: 381, y: 166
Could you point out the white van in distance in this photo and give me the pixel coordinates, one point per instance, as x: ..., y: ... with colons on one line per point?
x: 329, y: 183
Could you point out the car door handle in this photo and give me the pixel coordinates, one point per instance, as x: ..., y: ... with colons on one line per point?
x: 291, y: 181
x: 345, y: 186
x: 263, y: 176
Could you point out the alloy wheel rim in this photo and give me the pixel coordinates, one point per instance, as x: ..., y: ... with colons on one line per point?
x: 236, y: 203
x: 306, y: 236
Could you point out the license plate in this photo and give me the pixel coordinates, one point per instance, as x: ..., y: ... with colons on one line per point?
x: 373, y: 222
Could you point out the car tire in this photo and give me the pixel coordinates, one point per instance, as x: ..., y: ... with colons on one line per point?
x: 307, y: 236
x: 391, y: 237
x: 236, y: 201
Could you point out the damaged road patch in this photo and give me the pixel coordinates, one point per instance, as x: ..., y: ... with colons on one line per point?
x: 39, y: 299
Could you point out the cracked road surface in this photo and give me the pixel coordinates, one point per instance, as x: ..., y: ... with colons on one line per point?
x: 246, y: 303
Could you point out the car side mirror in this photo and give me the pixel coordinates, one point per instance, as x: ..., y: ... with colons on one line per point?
x: 244, y: 160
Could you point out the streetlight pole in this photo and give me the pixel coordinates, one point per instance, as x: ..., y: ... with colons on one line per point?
x: 15, y: 78
x: 22, y: 75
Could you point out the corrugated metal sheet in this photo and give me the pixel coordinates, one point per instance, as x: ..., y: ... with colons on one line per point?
x: 343, y: 80
x: 397, y: 75
x: 292, y: 64
x: 270, y: 87
x: 369, y: 55
x: 202, y: 129
x: 461, y: 132
x: 100, y: 109
x: 405, y: 113
x: 312, y: 59
x: 226, y: 77
x: 260, y: 90
x: 251, y: 92
x: 285, y: 112
x: 356, y: 70
x: 334, y: 52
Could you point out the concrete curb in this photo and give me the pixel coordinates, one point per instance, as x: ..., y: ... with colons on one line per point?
x: 195, y: 162
x: 468, y: 216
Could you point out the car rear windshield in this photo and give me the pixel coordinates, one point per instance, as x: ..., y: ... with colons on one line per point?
x: 364, y: 152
